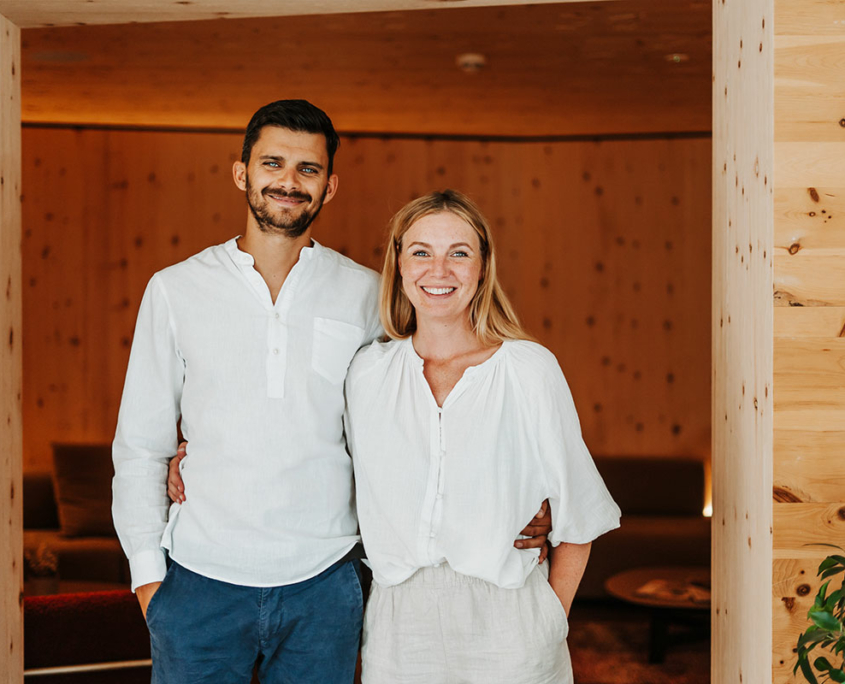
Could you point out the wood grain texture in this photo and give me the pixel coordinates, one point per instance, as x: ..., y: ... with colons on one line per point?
x: 809, y: 464
x: 743, y: 245
x: 819, y: 322
x: 809, y: 374
x: 811, y: 164
x: 817, y: 280
x: 810, y: 221
x: 809, y: 293
x: 26, y: 13
x: 809, y: 89
x: 800, y: 524
x: 552, y: 70
x: 794, y: 586
x: 604, y: 248
x: 11, y: 516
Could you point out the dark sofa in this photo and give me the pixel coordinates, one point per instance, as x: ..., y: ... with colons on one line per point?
x: 68, y: 513
x: 662, y: 500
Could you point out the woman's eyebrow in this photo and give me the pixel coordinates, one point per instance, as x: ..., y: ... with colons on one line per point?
x: 452, y: 246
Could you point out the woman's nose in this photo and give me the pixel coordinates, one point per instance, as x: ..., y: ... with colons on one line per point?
x: 439, y: 266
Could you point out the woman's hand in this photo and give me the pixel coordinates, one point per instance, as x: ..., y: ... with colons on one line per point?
x: 538, y: 531
x: 175, y: 486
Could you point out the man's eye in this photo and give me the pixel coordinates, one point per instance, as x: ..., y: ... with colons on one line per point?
x: 309, y: 171
x: 272, y: 164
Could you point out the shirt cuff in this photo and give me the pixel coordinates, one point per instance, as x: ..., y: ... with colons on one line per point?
x: 587, y: 532
x: 146, y: 567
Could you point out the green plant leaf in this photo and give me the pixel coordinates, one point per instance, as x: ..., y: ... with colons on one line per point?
x: 828, y: 562
x: 822, y: 664
x: 837, y: 675
x: 820, y: 597
x: 831, y: 572
x: 825, y: 620
x: 812, y: 636
x: 807, y: 671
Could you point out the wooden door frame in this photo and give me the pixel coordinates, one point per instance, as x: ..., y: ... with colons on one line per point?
x: 743, y: 106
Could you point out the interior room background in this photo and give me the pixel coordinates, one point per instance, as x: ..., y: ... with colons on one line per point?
x: 604, y: 248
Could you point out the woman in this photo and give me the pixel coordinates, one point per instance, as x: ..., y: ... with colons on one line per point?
x: 459, y: 427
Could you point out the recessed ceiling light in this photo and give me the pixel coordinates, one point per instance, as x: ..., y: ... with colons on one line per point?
x: 677, y: 57
x: 471, y: 62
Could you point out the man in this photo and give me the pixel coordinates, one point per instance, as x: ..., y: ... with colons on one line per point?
x: 248, y: 344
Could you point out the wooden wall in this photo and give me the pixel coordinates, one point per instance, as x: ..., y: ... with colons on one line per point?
x: 605, y: 248
x: 11, y: 544
x: 809, y: 323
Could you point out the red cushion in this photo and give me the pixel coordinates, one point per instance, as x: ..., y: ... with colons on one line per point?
x: 74, y: 629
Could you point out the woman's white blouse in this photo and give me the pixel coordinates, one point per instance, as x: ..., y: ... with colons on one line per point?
x: 457, y: 484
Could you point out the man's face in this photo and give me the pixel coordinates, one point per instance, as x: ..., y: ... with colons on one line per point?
x: 287, y: 180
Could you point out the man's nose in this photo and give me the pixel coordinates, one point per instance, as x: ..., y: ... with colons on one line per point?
x: 288, y: 178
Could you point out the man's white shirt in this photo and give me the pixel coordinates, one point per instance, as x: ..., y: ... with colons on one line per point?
x: 259, y: 389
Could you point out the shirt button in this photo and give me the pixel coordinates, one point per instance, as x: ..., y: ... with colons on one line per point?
x: 431, y: 535
x: 275, y: 351
x: 277, y: 317
x: 438, y: 497
x: 437, y: 565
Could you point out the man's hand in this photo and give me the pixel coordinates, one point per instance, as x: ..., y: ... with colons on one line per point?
x: 538, y: 529
x: 175, y: 486
x: 145, y: 593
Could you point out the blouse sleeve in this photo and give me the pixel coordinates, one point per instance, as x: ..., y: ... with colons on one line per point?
x: 582, y: 508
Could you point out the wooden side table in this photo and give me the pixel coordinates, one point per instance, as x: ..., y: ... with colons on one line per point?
x: 678, y: 595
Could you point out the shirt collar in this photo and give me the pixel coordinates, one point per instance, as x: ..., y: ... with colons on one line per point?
x: 246, y: 259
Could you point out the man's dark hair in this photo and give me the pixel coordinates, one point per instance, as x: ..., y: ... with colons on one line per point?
x: 295, y: 115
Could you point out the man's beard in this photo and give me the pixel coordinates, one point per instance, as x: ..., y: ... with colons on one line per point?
x: 281, y: 223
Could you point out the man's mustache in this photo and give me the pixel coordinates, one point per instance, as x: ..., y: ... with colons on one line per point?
x: 293, y: 194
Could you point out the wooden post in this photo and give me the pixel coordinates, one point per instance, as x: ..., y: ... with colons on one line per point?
x: 11, y: 448
x: 743, y: 137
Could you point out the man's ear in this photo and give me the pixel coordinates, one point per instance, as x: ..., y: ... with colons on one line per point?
x: 239, y: 174
x: 331, y: 188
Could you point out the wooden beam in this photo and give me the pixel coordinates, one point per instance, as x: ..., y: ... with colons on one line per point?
x: 743, y: 239
x: 11, y: 448
x: 28, y: 14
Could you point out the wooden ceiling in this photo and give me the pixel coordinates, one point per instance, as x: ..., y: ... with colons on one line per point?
x: 552, y: 70
x: 39, y: 13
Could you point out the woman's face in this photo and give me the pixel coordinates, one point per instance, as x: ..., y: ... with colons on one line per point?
x: 440, y: 263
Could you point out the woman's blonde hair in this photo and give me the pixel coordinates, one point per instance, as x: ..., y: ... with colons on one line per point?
x: 491, y: 315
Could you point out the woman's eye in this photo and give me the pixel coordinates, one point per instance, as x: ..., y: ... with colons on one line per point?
x: 419, y: 252
x: 460, y: 254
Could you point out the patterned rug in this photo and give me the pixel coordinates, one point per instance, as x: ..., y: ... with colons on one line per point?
x: 609, y: 645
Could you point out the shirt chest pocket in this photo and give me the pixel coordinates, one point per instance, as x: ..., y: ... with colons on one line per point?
x: 335, y: 343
